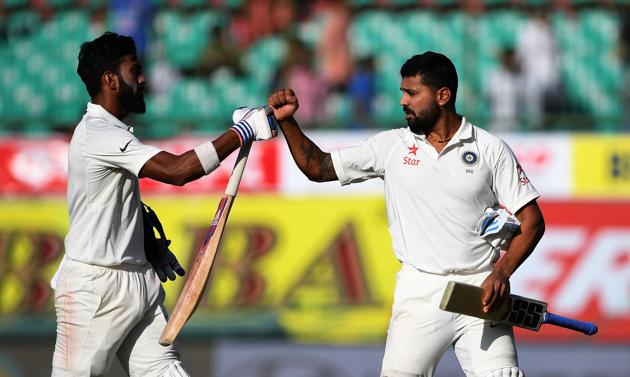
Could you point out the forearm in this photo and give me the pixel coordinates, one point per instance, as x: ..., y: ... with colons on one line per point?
x: 172, y: 169
x: 522, y: 245
x: 180, y: 169
x: 310, y: 159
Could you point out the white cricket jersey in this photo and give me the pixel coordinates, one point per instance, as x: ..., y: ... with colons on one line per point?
x: 434, y: 200
x: 104, y: 161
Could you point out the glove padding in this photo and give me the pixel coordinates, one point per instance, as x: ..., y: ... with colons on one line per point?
x: 254, y: 124
x: 156, y: 249
x: 497, y: 226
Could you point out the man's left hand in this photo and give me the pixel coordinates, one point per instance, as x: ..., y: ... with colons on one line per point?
x: 166, y: 266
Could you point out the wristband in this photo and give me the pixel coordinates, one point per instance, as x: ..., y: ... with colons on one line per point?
x: 208, y: 156
x: 244, y: 131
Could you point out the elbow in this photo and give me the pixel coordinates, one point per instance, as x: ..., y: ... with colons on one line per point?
x: 539, y: 224
x: 181, y: 179
x: 314, y: 175
x: 179, y: 182
x: 315, y: 178
x: 178, y: 178
x: 540, y: 228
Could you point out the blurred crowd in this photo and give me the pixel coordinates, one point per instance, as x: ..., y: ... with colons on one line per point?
x: 524, y: 90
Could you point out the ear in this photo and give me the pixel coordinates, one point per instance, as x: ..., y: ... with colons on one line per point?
x: 110, y: 80
x: 442, y: 96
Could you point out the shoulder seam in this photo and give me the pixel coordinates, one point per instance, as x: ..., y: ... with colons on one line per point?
x: 398, y: 142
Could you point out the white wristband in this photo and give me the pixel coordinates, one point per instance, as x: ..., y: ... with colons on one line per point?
x: 207, y: 156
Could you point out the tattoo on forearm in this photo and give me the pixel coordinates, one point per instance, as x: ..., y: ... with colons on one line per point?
x: 308, y: 151
x: 316, y: 164
x: 328, y: 170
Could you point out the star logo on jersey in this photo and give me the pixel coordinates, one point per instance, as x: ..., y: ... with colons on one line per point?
x: 410, y: 160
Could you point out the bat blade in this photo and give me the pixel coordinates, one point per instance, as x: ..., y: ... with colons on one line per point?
x: 466, y: 299
x: 202, y: 266
x: 199, y: 274
x: 515, y: 310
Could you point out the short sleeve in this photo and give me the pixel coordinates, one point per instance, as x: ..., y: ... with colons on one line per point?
x: 119, y: 148
x: 511, y: 185
x: 358, y: 163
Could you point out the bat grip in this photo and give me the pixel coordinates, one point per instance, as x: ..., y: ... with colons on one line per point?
x: 237, y: 172
x: 573, y: 324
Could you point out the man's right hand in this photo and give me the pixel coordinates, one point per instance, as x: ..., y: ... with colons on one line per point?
x: 284, y: 104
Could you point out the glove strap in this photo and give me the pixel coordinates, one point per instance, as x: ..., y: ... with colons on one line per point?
x: 155, y: 221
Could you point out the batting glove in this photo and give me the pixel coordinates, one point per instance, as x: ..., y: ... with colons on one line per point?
x: 254, y: 124
x: 497, y: 226
x: 166, y: 265
x: 156, y: 249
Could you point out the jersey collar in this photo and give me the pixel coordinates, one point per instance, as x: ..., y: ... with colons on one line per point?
x: 464, y: 132
x: 99, y: 111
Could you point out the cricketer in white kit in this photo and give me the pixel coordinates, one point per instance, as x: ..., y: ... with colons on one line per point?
x: 440, y: 175
x: 108, y: 298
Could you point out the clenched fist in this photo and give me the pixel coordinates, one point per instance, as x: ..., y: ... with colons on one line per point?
x: 284, y: 104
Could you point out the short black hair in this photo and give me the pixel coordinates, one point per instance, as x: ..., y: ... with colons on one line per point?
x: 102, y: 54
x: 437, y: 71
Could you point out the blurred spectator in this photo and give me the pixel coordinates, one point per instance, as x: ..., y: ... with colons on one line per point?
x: 298, y: 73
x: 362, y: 90
x: 333, y: 48
x: 505, y: 94
x: 4, y: 24
x: 166, y: 75
x: 133, y: 18
x: 98, y: 18
x: 624, y: 41
x: 221, y: 51
x: 240, y: 27
x: 282, y: 16
x: 257, y: 19
x: 539, y: 59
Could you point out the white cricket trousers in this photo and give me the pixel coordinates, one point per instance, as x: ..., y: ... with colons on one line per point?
x: 420, y: 333
x: 104, y: 312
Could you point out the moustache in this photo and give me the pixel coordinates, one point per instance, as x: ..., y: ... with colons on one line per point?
x: 408, y: 111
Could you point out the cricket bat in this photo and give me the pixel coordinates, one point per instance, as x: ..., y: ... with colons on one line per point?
x: 514, y: 310
x: 201, y: 268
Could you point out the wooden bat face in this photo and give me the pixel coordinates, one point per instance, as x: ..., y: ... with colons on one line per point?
x: 198, y: 276
x: 515, y: 310
x: 466, y: 299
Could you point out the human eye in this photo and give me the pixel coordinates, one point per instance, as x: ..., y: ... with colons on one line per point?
x: 136, y: 70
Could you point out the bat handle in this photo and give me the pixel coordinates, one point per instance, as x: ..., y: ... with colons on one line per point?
x: 237, y: 172
x: 573, y: 324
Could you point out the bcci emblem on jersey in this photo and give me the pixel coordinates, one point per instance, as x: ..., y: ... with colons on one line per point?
x: 470, y: 158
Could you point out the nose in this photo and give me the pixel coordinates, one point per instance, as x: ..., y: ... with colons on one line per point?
x: 142, y: 79
x: 403, y: 100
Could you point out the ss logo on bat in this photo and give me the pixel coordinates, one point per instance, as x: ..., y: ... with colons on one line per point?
x: 525, y: 313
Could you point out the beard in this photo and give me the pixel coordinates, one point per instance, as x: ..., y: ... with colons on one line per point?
x: 425, y: 121
x: 132, y: 102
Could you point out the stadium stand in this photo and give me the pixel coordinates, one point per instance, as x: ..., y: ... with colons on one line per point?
x: 41, y: 91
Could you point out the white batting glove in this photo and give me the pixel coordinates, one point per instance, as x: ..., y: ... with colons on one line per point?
x: 497, y: 226
x: 253, y: 124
